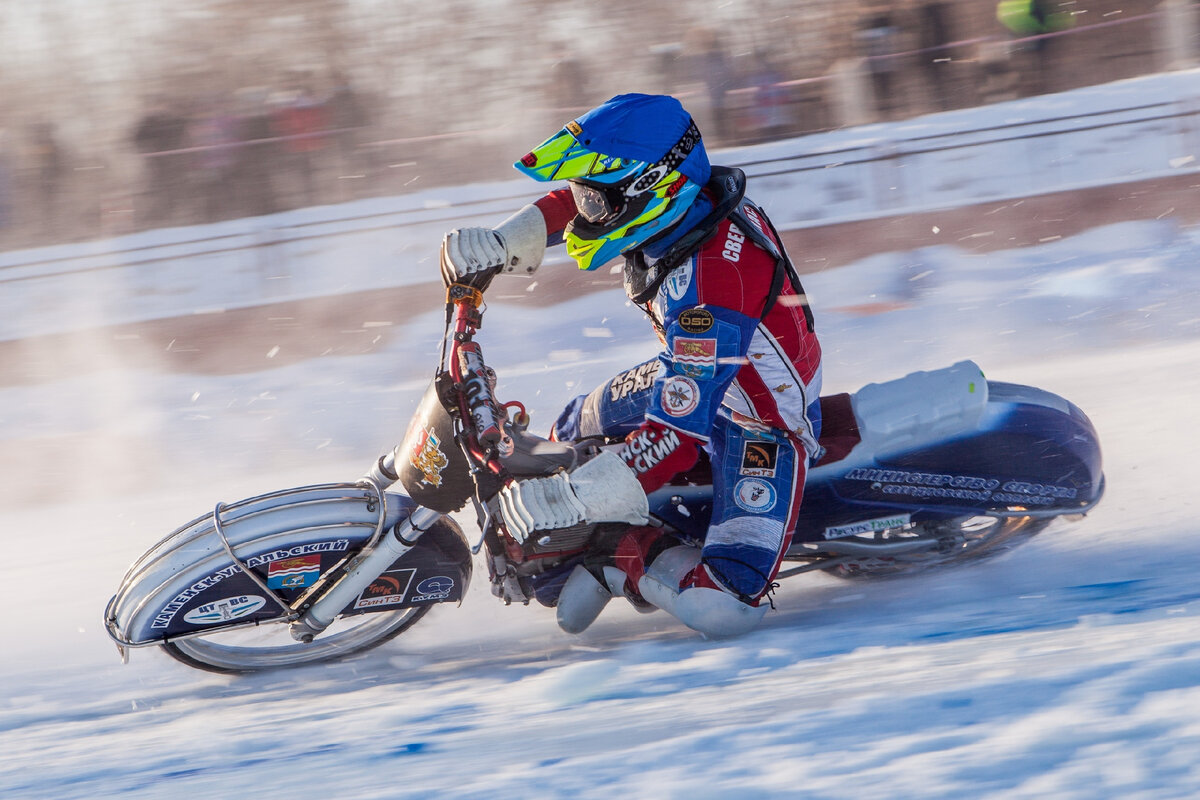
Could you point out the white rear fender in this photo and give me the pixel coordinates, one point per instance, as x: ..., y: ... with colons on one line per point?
x: 920, y: 408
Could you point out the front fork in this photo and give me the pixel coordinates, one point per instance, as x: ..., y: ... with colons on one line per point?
x: 366, y: 567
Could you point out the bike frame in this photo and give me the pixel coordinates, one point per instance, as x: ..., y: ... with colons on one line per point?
x: 479, y: 441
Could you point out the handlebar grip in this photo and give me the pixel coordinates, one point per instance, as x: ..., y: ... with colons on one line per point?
x: 480, y: 402
x: 480, y: 279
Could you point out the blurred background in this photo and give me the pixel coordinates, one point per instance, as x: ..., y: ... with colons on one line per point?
x: 122, y: 115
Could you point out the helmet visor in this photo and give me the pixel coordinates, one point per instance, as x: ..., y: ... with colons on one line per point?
x: 562, y: 157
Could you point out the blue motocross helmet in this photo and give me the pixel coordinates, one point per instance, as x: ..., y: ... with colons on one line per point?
x: 634, y: 164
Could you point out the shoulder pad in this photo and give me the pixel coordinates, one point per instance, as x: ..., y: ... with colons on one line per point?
x: 750, y: 219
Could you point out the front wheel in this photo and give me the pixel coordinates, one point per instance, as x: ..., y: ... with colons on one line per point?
x: 271, y: 646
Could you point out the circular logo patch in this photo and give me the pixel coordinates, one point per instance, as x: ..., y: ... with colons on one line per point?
x: 440, y: 585
x: 753, y: 495
x: 696, y: 320
x: 680, y: 396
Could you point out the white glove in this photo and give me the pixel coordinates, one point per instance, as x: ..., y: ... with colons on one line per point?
x: 515, y: 245
x: 602, y: 490
x: 470, y: 252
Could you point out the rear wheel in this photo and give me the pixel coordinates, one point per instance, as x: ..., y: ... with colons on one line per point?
x: 271, y: 646
x: 965, y: 540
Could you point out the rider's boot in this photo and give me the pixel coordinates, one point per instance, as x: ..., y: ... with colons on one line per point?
x: 679, y: 584
x: 584, y: 596
x: 653, y: 571
x: 614, y: 572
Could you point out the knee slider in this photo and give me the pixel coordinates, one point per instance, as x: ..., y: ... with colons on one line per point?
x: 715, y: 613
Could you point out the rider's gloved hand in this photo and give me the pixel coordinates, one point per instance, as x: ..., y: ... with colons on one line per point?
x: 602, y: 490
x: 474, y: 255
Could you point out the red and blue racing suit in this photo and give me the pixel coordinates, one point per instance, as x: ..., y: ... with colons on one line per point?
x: 739, y: 375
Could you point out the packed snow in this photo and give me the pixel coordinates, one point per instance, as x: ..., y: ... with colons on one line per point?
x: 1068, y: 668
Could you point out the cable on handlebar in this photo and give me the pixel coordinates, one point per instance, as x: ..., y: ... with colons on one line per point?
x: 480, y: 427
x: 522, y: 416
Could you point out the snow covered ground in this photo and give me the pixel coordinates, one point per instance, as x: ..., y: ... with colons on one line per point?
x: 1069, y: 668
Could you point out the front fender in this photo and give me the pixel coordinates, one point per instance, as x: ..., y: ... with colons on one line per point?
x: 290, y: 540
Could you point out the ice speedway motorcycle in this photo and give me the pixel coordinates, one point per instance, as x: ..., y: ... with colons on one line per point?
x: 932, y: 469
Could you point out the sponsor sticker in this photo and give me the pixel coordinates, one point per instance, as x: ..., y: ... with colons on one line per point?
x: 752, y: 215
x: 635, y: 380
x: 299, y: 550
x: 752, y: 427
x: 294, y: 573
x: 165, y: 615
x: 734, y: 241
x: 678, y: 282
x: 696, y: 320
x: 759, y: 458
x: 680, y: 396
x: 938, y: 485
x: 696, y: 358
x: 437, y: 588
x: 753, y: 495
x: 388, y: 589
x: 645, y: 451
x: 227, y: 609
x: 428, y: 457
x: 867, y: 526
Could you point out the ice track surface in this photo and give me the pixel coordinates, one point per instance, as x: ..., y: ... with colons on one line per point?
x: 1069, y: 668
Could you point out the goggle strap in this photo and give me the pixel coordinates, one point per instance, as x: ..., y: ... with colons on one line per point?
x: 668, y: 163
x: 682, y: 149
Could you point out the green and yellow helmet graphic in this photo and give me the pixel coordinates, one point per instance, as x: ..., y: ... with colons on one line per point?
x: 635, y: 165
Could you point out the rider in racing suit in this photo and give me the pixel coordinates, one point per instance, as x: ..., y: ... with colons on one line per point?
x: 740, y: 370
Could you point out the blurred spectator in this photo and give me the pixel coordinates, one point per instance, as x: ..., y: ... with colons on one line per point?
x: 878, y: 43
x: 670, y: 68
x: 159, y: 137
x: 46, y: 167
x: 214, y: 133
x: 933, y: 34
x: 5, y: 183
x: 567, y: 87
x: 300, y: 121
x: 997, y: 79
x: 255, y: 158
x: 1029, y: 22
x: 714, y: 70
x: 347, y: 116
x: 770, y: 115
